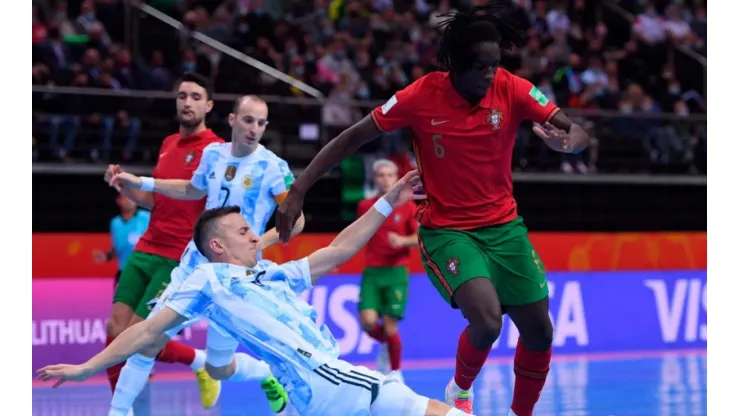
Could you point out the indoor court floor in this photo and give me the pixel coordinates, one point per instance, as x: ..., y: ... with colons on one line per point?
x: 664, y: 384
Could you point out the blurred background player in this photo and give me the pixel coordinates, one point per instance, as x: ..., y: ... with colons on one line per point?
x: 147, y: 272
x: 474, y: 245
x: 385, y: 280
x: 125, y: 231
x: 242, y: 173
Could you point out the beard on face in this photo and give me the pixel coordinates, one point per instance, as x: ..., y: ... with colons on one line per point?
x: 190, y: 122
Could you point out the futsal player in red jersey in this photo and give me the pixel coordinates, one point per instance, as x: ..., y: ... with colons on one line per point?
x: 147, y: 272
x: 474, y: 245
x: 385, y: 280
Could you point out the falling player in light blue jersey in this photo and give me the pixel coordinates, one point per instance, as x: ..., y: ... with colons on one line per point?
x: 257, y: 304
x: 242, y: 173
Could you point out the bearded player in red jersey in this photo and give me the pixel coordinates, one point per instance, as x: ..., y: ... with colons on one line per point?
x: 385, y: 281
x: 474, y: 245
x: 147, y: 272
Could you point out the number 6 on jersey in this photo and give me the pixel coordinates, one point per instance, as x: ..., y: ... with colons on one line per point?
x: 439, y: 149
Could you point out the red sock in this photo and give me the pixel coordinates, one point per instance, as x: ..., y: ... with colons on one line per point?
x: 470, y: 360
x: 377, y: 333
x: 394, y: 351
x: 175, y: 352
x: 530, y: 370
x: 114, y: 371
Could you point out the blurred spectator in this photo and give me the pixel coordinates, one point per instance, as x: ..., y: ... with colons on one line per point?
x: 37, y: 26
x: 677, y: 29
x: 56, y: 54
x: 160, y: 77
x: 595, y: 75
x: 699, y: 26
x: 89, y: 21
x: 557, y: 18
x: 649, y: 25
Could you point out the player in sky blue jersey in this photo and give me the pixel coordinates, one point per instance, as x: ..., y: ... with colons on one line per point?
x: 125, y: 230
x: 241, y: 173
x: 257, y: 304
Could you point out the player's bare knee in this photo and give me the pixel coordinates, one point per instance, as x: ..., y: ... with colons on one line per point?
x: 536, y: 333
x: 390, y: 326
x: 485, y: 327
x: 119, y: 318
x: 368, y: 320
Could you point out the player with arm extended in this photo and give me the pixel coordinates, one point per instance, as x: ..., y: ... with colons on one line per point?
x: 474, y: 245
x: 147, y: 272
x: 385, y: 280
x: 257, y: 303
x: 242, y: 173
x: 125, y: 231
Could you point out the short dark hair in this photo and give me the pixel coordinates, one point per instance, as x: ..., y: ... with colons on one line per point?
x: 240, y: 100
x: 198, y: 79
x: 205, y: 226
x: 462, y: 30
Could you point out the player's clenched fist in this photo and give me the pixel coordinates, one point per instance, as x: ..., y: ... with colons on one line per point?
x: 288, y: 213
x: 110, y: 172
x: 126, y: 180
x: 64, y: 372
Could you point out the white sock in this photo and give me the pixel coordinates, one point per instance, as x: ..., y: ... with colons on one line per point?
x: 131, y: 381
x: 248, y: 368
x: 199, y: 362
x: 511, y: 413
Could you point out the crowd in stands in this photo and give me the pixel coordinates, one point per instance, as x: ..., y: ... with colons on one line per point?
x: 581, y: 54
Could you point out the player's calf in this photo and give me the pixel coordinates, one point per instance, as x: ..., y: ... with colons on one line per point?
x: 119, y: 319
x: 370, y: 324
x: 533, y: 354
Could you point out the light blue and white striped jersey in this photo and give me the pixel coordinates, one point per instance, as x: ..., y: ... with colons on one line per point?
x: 261, y: 309
x: 252, y: 183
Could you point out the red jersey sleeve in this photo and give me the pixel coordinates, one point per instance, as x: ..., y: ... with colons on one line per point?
x: 362, y: 207
x: 398, y: 110
x: 530, y: 103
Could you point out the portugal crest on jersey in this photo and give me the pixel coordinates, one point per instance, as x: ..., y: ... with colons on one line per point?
x: 495, y: 117
x: 230, y: 173
x: 452, y: 265
x: 189, y: 158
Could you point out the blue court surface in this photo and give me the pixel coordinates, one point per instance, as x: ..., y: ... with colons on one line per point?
x: 672, y: 384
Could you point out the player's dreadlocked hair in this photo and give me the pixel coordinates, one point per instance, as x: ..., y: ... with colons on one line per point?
x: 461, y: 30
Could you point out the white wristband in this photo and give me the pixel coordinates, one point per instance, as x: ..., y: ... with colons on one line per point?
x: 147, y: 184
x: 383, y: 207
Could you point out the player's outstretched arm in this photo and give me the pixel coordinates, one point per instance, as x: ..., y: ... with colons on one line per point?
x: 142, y: 199
x: 357, y: 234
x: 330, y: 155
x: 172, y: 188
x: 271, y: 236
x: 131, y: 341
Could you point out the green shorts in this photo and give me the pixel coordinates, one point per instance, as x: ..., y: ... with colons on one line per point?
x: 385, y: 290
x: 143, y: 278
x: 501, y: 253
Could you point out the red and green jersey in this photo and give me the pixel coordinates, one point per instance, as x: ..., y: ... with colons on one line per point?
x: 379, y: 252
x: 171, y: 224
x: 464, y: 152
